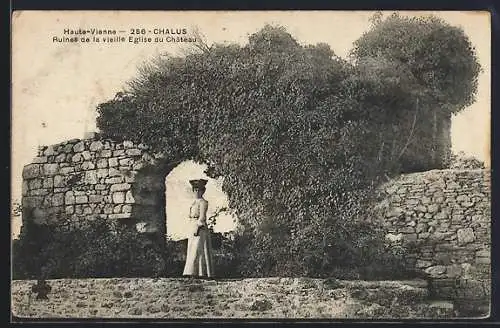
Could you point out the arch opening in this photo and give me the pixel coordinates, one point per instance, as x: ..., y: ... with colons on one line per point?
x: 178, y: 197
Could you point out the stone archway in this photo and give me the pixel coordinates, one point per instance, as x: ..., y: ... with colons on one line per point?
x: 75, y: 181
x: 179, y: 197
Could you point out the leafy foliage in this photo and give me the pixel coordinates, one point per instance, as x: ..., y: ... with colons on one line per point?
x: 415, y: 72
x: 439, y: 57
x: 300, y: 135
x: 464, y: 162
x: 95, y: 251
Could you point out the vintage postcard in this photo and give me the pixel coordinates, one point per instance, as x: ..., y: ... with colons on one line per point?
x: 251, y: 164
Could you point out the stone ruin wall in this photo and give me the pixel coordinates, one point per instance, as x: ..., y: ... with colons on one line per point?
x: 80, y: 180
x: 443, y: 217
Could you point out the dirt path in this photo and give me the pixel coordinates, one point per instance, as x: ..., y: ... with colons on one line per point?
x: 243, y: 298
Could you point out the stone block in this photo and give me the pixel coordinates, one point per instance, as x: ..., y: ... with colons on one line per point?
x: 35, y: 184
x: 81, y: 199
x: 78, y: 209
x: 117, y: 209
x: 98, y: 209
x: 118, y: 152
x: 421, y: 227
x: 88, y: 165
x: 390, y: 236
x: 31, y: 171
x: 96, y: 198
x: 40, y: 159
x: 60, y: 158
x: 79, y: 147
x: 41, y: 192
x: 100, y: 186
x: 86, y: 155
x: 465, y: 236
x: 133, y: 152
x: 129, y: 198
x: 76, y: 158
x: 49, y: 151
x: 432, y: 223
x: 127, y: 208
x: 96, y: 146
x: 412, y: 201
x: 58, y: 199
x: 433, y: 208
x: 108, y: 208
x: 102, y: 163
x: 113, y: 161
x: 69, y: 198
x: 452, y: 185
x: 483, y: 260
x: 113, y: 172
x: 68, y: 148
x: 102, y: 173
x: 468, y: 204
x: 118, y: 197
x: 407, y: 230
x: 32, y: 202
x: 436, y: 271
x: 112, y: 180
x: 25, y: 188
x: 69, y: 209
x: 48, y: 183
x: 425, y: 200
x: 120, y: 215
x: 126, y: 162
x: 442, y: 215
x: 483, y: 253
x: 421, y: 209
x: 91, y: 177
x: 87, y: 210
x: 479, y: 218
x: 105, y: 153
x: 128, y: 144
x: 66, y: 170
x: 395, y: 212
x: 438, y: 199
x: 120, y: 187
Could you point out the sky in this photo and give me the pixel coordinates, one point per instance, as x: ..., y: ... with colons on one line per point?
x: 57, y: 86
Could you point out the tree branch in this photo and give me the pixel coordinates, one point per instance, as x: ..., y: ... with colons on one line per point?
x: 411, y: 132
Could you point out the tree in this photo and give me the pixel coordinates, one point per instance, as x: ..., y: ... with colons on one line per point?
x: 415, y: 70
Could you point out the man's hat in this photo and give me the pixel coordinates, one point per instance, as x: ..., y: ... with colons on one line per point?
x: 198, y: 183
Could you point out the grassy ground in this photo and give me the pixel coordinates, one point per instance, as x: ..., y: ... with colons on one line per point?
x: 237, y: 298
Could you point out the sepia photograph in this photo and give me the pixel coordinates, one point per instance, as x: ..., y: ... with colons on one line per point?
x: 271, y: 165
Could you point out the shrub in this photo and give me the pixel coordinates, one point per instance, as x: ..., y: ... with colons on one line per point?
x: 96, y: 251
x: 462, y: 161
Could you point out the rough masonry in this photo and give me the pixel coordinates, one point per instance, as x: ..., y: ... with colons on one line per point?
x: 443, y: 218
x: 78, y: 180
